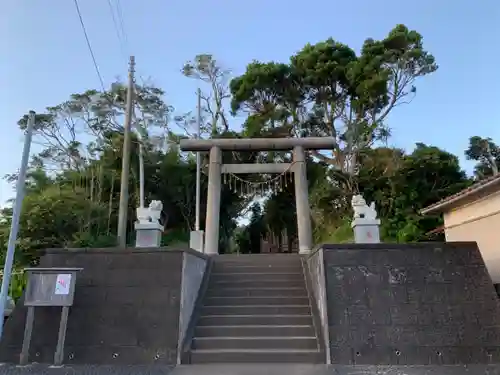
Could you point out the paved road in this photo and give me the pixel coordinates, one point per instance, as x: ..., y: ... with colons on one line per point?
x: 286, y: 369
x: 84, y: 370
x: 265, y: 369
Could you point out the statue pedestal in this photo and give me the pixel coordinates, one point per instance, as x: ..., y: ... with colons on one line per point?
x: 196, y: 240
x: 148, y: 234
x: 366, y: 230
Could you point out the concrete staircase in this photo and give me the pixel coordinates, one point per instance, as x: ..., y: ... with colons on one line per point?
x: 256, y: 310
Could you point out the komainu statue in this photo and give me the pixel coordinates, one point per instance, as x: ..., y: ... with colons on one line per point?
x: 151, y: 214
x: 362, y: 210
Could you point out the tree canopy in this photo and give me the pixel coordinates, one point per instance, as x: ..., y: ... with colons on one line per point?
x: 486, y: 154
x: 325, y: 89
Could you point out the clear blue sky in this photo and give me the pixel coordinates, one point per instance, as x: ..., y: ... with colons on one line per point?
x: 45, y: 59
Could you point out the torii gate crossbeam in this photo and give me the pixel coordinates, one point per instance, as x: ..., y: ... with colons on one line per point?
x: 258, y: 144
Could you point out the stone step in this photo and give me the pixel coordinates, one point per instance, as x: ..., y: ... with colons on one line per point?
x: 257, y: 283
x: 261, y: 260
x: 257, y: 310
x: 227, y: 291
x: 257, y: 356
x: 256, y: 276
x: 281, y: 256
x: 266, y: 301
x: 257, y: 330
x: 284, y: 343
x: 245, y: 268
x: 240, y: 320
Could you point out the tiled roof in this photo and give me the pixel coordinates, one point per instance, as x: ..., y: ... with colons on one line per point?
x: 439, y: 229
x: 474, y: 188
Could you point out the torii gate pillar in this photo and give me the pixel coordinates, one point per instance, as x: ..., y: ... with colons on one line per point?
x: 302, y: 201
x: 213, y: 202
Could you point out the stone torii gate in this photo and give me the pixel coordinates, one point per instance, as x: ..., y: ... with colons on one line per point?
x: 216, y: 169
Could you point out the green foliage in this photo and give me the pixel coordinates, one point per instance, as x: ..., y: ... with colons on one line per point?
x: 249, y: 240
x: 72, y: 190
x: 401, y: 185
x: 487, y: 155
x: 53, y: 217
x: 326, y: 89
x: 17, y: 284
x: 175, y: 237
x: 207, y: 69
x: 340, y: 232
x: 92, y: 240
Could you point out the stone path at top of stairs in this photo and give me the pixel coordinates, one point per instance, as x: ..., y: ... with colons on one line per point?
x: 256, y: 310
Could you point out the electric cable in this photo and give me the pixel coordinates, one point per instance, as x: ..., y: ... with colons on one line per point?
x: 119, y: 28
x: 89, y: 45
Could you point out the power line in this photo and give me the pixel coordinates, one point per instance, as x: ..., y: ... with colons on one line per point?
x: 88, y: 45
x: 120, y: 19
x: 120, y: 35
x: 120, y: 30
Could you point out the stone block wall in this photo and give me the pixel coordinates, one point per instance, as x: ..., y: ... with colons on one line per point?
x: 126, y: 309
x: 418, y: 304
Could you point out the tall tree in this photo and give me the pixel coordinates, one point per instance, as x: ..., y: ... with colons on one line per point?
x: 327, y: 90
x: 209, y: 71
x: 401, y: 185
x: 487, y: 155
x: 71, y: 131
x: 79, y: 168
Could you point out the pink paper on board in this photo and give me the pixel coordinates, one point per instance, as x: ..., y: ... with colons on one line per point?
x: 63, y: 282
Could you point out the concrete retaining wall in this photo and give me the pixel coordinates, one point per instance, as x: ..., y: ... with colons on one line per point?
x: 315, y: 265
x: 411, y: 304
x: 193, y: 270
x: 126, y: 310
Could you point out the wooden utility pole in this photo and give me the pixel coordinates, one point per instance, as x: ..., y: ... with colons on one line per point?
x: 124, y: 182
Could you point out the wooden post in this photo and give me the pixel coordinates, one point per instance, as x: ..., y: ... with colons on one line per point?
x: 59, y: 355
x: 28, y: 330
